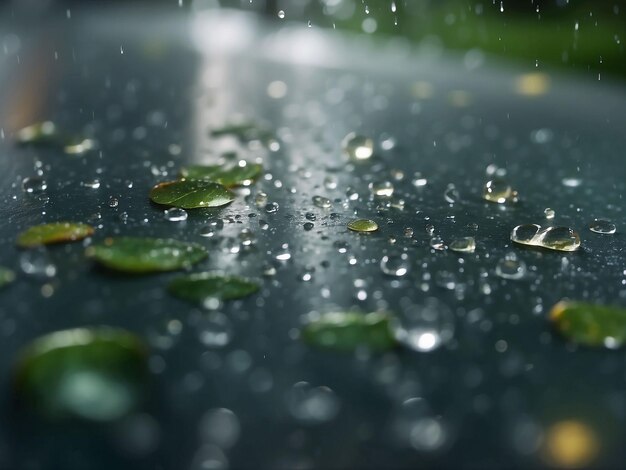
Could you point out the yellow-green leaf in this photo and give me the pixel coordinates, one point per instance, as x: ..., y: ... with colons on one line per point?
x: 191, y: 194
x: 590, y: 324
x: 144, y: 255
x: 57, y: 232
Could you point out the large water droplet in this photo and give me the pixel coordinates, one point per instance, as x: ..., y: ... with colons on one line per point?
x: 463, y: 245
x: 322, y: 202
x: 554, y: 238
x: 358, y: 147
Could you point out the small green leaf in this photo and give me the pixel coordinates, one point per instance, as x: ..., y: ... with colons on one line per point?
x: 191, y: 194
x: 590, y: 324
x: 57, y: 232
x: 228, y: 176
x: 95, y: 374
x: 347, y: 331
x: 144, y: 255
x: 363, y: 225
x: 198, y: 287
x: 6, y: 276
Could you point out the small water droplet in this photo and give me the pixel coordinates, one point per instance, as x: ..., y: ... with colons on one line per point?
x: 281, y: 14
x: 463, y: 245
x: 91, y: 184
x: 437, y: 243
x: 572, y: 182
x: 424, y: 327
x: 34, y: 185
x: 510, y: 267
x: 395, y: 265
x: 358, y: 147
x: 175, y: 214
x: 308, y: 226
x: 549, y: 213
x: 113, y: 202
x: 260, y: 199
x: 418, y: 180
x: 499, y: 191
x: 271, y: 207
x: 214, y: 330
x: 603, y: 226
x: 451, y: 194
x: 322, y: 202
x: 382, y: 189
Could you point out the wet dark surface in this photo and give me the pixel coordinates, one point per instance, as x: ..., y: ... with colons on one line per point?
x: 151, y: 109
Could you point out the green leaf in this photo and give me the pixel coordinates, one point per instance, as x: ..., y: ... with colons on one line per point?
x: 57, y: 232
x: 144, y: 255
x: 96, y: 374
x: 590, y: 324
x: 347, y: 331
x: 198, y: 287
x: 191, y: 194
x: 7, y: 276
x: 363, y: 225
x: 228, y: 176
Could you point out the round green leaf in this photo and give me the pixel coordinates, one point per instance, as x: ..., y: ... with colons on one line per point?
x: 96, y: 374
x: 228, y: 176
x: 57, y: 232
x: 590, y: 324
x: 7, y: 276
x: 198, y: 287
x: 191, y: 194
x: 143, y: 255
x: 347, y: 331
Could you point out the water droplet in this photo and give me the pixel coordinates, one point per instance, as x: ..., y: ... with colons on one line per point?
x: 34, y: 185
x: 358, y: 147
x: 271, y: 207
x: 499, y: 191
x: 91, y: 184
x: 395, y: 265
x: 308, y: 226
x: 37, y: 263
x: 572, y: 182
x: 451, y: 194
x: 312, y: 405
x: 175, y: 214
x: 260, y: 199
x: 549, y: 213
x: 424, y: 327
x: 246, y: 237
x: 437, y: 243
x: 363, y: 225
x: 214, y: 330
x: 322, y: 202
x: 463, y: 245
x: 510, y: 267
x: 113, y: 202
x: 554, y: 238
x: 281, y: 14
x: 602, y: 226
x: 382, y: 189
x: 221, y: 427
x: 418, y: 180
x: 330, y: 182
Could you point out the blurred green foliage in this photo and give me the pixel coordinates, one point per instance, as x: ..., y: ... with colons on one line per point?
x: 576, y: 34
